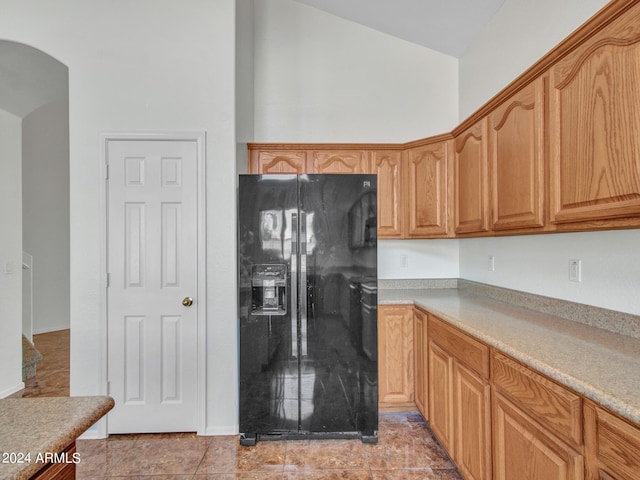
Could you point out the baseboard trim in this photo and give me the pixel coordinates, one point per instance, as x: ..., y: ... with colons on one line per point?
x: 12, y: 390
x: 97, y: 431
x: 222, y: 430
x: 52, y: 329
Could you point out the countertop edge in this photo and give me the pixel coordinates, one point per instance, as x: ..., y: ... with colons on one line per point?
x: 60, y: 440
x: 587, y: 389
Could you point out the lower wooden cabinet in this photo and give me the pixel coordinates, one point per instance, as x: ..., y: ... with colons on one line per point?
x: 472, y: 423
x: 421, y: 363
x: 459, y: 398
x: 537, y: 425
x: 441, y: 395
x: 496, y: 417
x: 524, y: 450
x: 395, y: 357
x: 612, y: 445
x: 547, y: 402
x: 61, y: 470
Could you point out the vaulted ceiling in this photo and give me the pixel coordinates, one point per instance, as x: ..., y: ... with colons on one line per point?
x: 30, y: 78
x: 448, y: 26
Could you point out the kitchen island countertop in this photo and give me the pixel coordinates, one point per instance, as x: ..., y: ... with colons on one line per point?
x: 33, y: 427
x: 601, y: 365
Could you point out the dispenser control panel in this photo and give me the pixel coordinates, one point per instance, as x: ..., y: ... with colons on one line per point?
x: 268, y: 289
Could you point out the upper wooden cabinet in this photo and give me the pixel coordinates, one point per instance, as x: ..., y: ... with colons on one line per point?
x: 300, y: 158
x: 274, y: 161
x: 471, y: 185
x: 594, y: 125
x: 427, y: 186
x: 387, y: 165
x: 332, y: 161
x: 517, y: 157
x: 556, y: 150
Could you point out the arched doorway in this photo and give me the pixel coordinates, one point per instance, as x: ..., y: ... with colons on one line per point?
x: 34, y: 243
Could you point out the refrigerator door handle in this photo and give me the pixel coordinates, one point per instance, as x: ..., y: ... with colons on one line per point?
x: 303, y: 284
x: 293, y: 293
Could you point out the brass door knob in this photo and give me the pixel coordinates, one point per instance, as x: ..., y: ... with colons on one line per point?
x: 187, y: 301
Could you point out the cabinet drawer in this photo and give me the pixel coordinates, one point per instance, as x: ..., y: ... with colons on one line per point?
x: 618, y: 445
x: 61, y: 470
x: 553, y: 406
x: 468, y: 351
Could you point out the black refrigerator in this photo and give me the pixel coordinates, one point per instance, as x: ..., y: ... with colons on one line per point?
x: 307, y: 290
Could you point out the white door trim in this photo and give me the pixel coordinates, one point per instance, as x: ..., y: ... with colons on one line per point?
x: 201, y: 305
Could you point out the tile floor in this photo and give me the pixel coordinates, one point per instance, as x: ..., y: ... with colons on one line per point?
x: 406, y: 448
x: 52, y: 372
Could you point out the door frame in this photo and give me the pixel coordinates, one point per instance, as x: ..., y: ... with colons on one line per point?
x: 201, y: 305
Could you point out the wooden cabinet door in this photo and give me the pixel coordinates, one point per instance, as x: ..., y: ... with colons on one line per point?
x: 387, y: 165
x: 524, y: 450
x: 339, y: 161
x: 612, y: 445
x: 459, y: 398
x: 472, y: 424
x: 517, y: 159
x: 594, y: 125
x: 286, y: 161
x: 471, y: 180
x: 441, y: 395
x: 427, y: 184
x: 420, y: 346
x: 395, y: 356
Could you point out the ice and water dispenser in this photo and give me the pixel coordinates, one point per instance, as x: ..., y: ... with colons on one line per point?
x: 268, y: 289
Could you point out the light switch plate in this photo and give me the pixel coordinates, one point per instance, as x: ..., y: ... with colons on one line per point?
x: 575, y: 270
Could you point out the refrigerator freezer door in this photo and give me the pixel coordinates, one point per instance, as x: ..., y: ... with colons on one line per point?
x: 267, y: 308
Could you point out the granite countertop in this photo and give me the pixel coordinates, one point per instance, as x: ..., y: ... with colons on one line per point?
x: 601, y: 365
x: 43, y: 425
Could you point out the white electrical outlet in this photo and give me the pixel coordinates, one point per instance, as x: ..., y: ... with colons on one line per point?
x: 492, y: 263
x: 8, y: 268
x: 404, y: 261
x: 575, y: 270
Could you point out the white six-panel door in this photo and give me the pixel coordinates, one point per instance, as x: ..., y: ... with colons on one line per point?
x: 152, y: 223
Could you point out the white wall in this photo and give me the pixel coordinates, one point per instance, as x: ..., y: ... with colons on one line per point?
x: 244, y: 80
x: 45, y: 212
x: 10, y: 254
x: 418, y: 259
x: 540, y: 264
x: 320, y: 78
x: 520, y: 34
x: 144, y: 65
